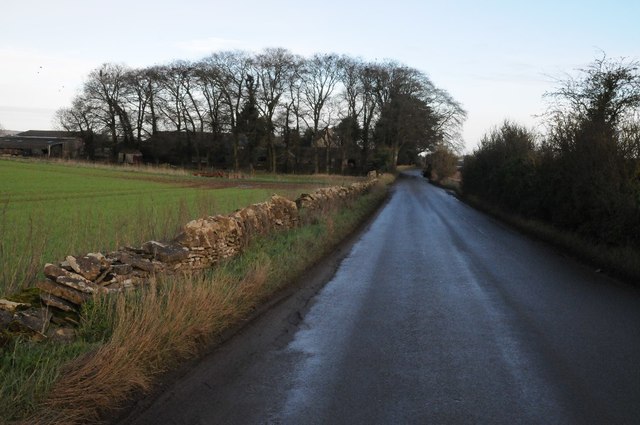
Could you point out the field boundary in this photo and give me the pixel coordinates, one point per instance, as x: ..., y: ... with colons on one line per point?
x: 201, y: 244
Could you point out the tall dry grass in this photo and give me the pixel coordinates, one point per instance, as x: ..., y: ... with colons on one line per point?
x: 152, y: 332
x: 164, y: 169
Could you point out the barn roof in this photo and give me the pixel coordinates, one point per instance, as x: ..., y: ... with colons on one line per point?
x: 50, y: 133
x: 21, y: 142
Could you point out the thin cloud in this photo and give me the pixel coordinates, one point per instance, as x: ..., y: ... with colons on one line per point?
x: 208, y: 45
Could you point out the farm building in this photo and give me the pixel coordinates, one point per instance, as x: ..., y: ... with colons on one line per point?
x: 49, y: 144
x: 130, y: 156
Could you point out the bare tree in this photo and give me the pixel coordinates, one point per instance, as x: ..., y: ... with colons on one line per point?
x: 207, y: 79
x: 80, y: 117
x: 105, y: 90
x: 353, y: 96
x: 274, y: 69
x: 319, y: 79
x: 449, y: 117
x: 607, y: 91
x: 291, y: 112
x: 368, y: 81
x: 172, y: 101
x: 232, y: 67
x: 140, y: 102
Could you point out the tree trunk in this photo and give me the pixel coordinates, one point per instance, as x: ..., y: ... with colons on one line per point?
x: 326, y: 159
x: 365, y: 150
x: 272, y: 153
x: 394, y: 156
x: 236, y: 142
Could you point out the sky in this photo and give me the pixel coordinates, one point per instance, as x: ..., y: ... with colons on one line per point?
x: 497, y: 58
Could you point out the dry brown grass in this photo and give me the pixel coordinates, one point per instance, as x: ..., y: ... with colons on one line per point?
x: 152, y: 333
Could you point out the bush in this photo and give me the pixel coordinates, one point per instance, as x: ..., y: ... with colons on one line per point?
x: 585, y: 175
x: 502, y: 169
x: 440, y: 164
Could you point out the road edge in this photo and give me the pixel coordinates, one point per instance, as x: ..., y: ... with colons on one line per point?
x: 295, y: 299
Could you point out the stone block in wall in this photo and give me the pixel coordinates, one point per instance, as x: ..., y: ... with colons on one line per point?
x: 88, y: 267
x: 52, y: 271
x: 33, y: 320
x: 57, y: 302
x: 134, y: 258
x: 78, y: 283
x: 5, y: 318
x: 62, y: 291
x: 166, y: 253
x: 121, y: 269
x: 74, y: 281
x: 206, y: 232
x: 12, y: 306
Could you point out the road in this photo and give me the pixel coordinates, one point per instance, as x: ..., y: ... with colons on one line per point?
x: 437, y: 315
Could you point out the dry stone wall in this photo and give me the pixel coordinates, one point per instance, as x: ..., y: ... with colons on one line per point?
x: 212, y: 239
x: 202, y: 243
x: 327, y: 196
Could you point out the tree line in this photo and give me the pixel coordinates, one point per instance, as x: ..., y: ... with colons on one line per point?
x: 273, y: 101
x: 583, y: 173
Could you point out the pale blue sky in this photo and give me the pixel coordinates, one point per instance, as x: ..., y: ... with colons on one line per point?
x: 496, y: 57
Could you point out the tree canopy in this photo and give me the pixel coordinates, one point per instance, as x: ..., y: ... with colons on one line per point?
x: 269, y: 101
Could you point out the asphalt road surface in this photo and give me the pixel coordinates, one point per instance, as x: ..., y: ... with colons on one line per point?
x: 437, y: 315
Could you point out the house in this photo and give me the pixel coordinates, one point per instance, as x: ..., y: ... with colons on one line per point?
x: 129, y: 156
x: 49, y: 144
x: 326, y: 138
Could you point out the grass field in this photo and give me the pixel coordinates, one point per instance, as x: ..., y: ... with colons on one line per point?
x: 50, y: 210
x: 125, y: 343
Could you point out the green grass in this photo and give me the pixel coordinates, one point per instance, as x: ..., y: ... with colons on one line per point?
x: 27, y: 371
x: 49, y: 210
x: 126, y: 342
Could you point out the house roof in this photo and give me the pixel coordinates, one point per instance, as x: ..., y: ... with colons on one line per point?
x: 50, y: 133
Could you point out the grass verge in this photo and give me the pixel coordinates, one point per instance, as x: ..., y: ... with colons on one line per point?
x: 126, y: 342
x: 621, y: 262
